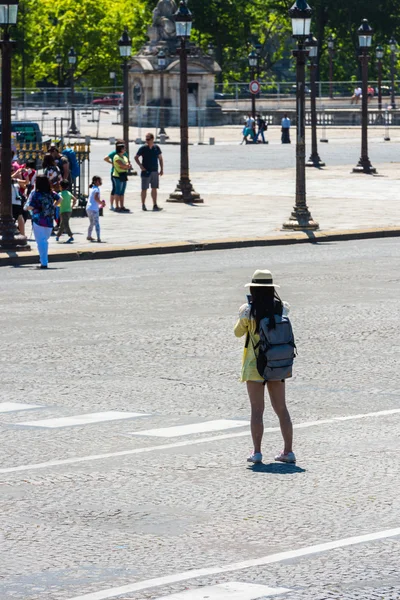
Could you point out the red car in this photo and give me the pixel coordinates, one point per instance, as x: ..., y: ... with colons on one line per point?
x: 110, y: 100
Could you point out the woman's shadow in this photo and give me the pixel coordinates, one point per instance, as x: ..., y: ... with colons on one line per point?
x: 278, y: 468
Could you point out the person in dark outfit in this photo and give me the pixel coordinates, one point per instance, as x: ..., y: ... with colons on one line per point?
x: 286, y: 130
x: 151, y: 155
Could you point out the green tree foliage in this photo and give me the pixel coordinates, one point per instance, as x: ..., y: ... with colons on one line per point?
x: 92, y: 27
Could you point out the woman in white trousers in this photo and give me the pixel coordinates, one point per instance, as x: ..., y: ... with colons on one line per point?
x: 41, y: 203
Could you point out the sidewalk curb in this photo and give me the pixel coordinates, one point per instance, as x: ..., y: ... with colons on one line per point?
x: 23, y: 258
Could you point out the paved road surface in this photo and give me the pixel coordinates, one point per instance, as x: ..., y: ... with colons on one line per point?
x: 145, y: 346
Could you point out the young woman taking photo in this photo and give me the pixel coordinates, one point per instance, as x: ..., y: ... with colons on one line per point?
x: 264, y: 302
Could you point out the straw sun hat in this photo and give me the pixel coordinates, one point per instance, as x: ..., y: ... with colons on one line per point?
x: 262, y: 279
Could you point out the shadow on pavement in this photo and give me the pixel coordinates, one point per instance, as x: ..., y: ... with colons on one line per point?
x: 278, y: 468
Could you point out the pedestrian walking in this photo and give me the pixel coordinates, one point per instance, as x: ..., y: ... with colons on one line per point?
x: 41, y: 204
x: 93, y: 207
x: 249, y: 130
x: 261, y: 321
x: 121, y: 166
x: 151, y: 155
x: 262, y: 128
x: 67, y: 203
x: 286, y: 123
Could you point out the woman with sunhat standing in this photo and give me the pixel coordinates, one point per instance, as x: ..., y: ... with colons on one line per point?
x: 263, y: 302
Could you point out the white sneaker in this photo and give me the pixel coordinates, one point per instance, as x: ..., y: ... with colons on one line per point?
x: 255, y: 457
x: 286, y: 458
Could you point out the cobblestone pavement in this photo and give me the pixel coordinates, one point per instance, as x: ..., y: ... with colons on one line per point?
x: 154, y: 336
x: 248, y: 192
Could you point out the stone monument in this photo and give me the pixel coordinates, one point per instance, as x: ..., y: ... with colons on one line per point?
x: 145, y: 76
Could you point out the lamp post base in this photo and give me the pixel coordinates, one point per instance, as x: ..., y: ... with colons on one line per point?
x: 73, y: 130
x: 364, y: 166
x: 315, y: 161
x: 10, y: 238
x: 185, y: 193
x: 301, y: 219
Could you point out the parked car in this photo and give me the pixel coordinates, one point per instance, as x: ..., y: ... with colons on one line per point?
x: 293, y: 89
x: 26, y: 132
x: 110, y: 100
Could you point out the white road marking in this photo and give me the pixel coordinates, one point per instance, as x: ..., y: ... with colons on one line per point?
x: 112, y: 415
x: 217, y: 438
x: 204, y: 427
x: 238, y: 566
x: 227, y: 591
x: 6, y: 407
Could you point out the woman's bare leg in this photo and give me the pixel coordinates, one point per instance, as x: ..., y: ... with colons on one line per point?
x: 276, y: 390
x: 256, y: 395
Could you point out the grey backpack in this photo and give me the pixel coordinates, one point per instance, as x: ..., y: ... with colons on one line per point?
x: 276, y: 349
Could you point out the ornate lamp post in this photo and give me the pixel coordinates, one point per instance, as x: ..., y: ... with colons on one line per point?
x: 301, y: 218
x: 72, y: 62
x: 393, y: 54
x: 184, y: 191
x: 331, y: 50
x: 379, y: 53
x: 253, y: 64
x: 59, y: 61
x: 10, y: 238
x: 162, y: 63
x: 312, y: 47
x: 365, y: 40
x: 125, y: 51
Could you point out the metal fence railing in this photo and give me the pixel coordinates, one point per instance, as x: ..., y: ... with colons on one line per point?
x: 106, y: 123
x: 233, y: 94
x: 281, y: 94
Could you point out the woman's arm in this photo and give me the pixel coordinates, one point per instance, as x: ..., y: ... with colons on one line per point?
x: 242, y: 326
x: 122, y: 164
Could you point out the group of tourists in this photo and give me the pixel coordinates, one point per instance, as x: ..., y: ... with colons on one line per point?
x: 150, y: 161
x: 47, y: 198
x: 256, y: 128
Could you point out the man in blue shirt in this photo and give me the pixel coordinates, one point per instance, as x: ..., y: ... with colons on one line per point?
x: 151, y: 155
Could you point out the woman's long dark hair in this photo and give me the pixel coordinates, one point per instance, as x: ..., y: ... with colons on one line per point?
x: 265, y: 303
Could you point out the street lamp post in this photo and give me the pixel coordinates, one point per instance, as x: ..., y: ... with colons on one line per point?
x: 312, y: 47
x: 10, y: 238
x: 379, y: 53
x: 162, y: 63
x: 365, y: 40
x: 59, y: 61
x: 125, y: 51
x: 253, y: 64
x: 72, y: 62
x: 184, y: 191
x: 331, y: 50
x: 301, y: 218
x: 393, y: 54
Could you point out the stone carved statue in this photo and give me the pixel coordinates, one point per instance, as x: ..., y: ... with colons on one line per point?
x: 163, y: 20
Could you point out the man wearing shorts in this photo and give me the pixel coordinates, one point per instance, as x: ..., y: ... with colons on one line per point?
x: 151, y: 155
